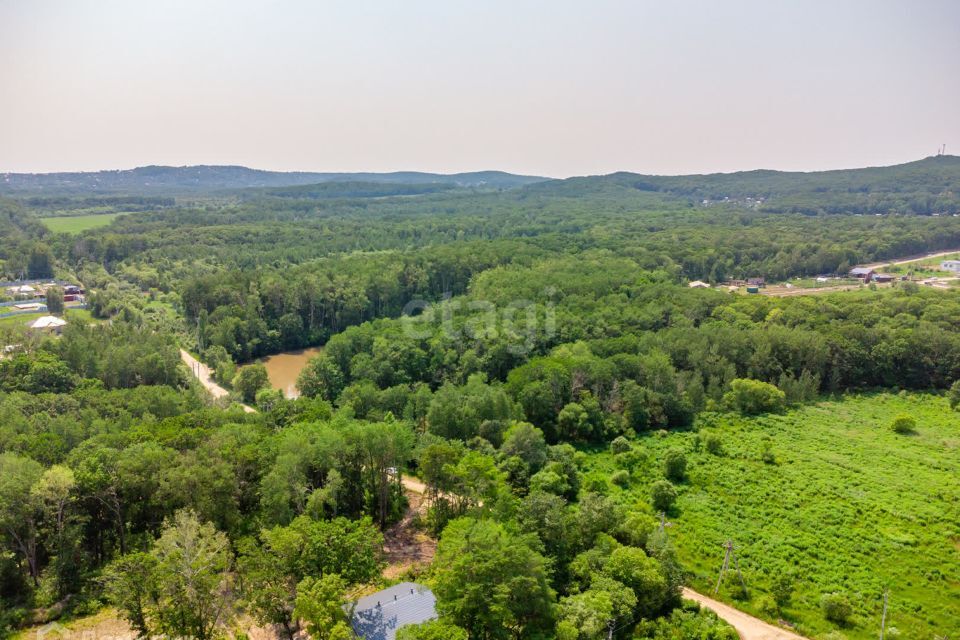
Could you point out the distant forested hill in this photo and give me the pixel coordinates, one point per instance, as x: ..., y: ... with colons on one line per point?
x: 155, y: 179
x: 927, y: 186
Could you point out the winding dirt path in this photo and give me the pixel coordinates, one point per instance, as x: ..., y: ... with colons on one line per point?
x: 202, y: 373
x: 747, y: 626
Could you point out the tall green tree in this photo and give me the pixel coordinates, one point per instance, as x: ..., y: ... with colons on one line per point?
x: 493, y: 583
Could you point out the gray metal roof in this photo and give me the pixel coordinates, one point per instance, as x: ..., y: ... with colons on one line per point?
x: 378, y: 616
x: 861, y: 271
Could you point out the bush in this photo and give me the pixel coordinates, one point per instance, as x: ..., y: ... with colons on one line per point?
x: 752, y: 397
x: 620, y: 478
x: 663, y: 495
x: 836, y: 608
x: 782, y: 589
x: 713, y: 444
x: 904, y: 424
x: 954, y: 395
x: 675, y: 465
x: 767, y: 454
x: 620, y: 445
x: 768, y: 605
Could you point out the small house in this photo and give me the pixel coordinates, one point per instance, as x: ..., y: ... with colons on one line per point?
x: 22, y: 290
x: 378, y: 616
x: 756, y: 282
x: 697, y: 284
x: 48, y: 323
x: 862, y: 273
x: 883, y: 278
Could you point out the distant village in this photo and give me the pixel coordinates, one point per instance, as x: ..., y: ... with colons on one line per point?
x: 857, y: 276
x: 30, y: 298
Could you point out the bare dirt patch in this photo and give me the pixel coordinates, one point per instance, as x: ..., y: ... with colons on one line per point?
x: 405, y: 546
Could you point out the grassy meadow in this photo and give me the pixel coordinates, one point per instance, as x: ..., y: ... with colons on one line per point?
x: 23, y: 319
x: 78, y: 224
x: 847, y: 506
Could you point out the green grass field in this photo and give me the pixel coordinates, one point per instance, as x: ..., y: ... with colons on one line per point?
x: 848, y: 507
x: 22, y: 319
x: 76, y: 224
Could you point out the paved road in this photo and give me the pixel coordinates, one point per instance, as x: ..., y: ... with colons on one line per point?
x: 747, y: 626
x: 202, y: 373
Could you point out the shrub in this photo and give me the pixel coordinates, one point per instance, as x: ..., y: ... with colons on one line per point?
x: 954, y: 395
x: 620, y: 478
x: 768, y: 605
x: 629, y: 459
x: 751, y: 397
x: 904, y: 424
x: 836, y: 608
x: 663, y: 495
x: 675, y: 465
x: 713, y: 444
x: 767, y: 454
x: 782, y: 589
x: 620, y: 445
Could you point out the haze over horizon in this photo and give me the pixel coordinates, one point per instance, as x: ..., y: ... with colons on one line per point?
x: 552, y: 89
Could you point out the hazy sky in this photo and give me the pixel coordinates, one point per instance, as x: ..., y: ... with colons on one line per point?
x: 554, y: 88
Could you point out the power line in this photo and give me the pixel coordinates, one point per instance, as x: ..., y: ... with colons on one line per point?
x: 730, y: 551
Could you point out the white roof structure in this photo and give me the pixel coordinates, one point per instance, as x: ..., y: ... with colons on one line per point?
x: 47, y: 322
x: 24, y: 288
x: 697, y: 284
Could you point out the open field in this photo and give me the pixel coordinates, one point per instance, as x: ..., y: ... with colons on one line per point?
x: 22, y: 319
x: 849, y: 506
x: 76, y: 224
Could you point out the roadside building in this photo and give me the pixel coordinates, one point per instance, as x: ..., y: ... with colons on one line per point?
x: 378, y: 616
x: 883, y: 278
x: 757, y: 282
x: 698, y: 284
x: 950, y: 265
x: 862, y: 273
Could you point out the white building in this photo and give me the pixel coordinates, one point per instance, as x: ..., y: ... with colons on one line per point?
x: 950, y: 265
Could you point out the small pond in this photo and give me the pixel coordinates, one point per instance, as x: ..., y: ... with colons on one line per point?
x: 283, y: 369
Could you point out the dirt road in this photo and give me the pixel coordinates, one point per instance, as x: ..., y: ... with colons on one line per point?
x: 202, y: 373
x: 747, y: 626
x: 939, y: 254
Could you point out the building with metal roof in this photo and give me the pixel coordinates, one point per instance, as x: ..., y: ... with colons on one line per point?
x: 378, y: 616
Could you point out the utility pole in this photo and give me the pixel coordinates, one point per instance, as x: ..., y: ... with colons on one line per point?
x: 730, y: 552
x: 663, y: 522
x: 883, y: 618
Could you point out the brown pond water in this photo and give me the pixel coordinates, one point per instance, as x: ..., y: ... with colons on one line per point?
x: 283, y: 369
